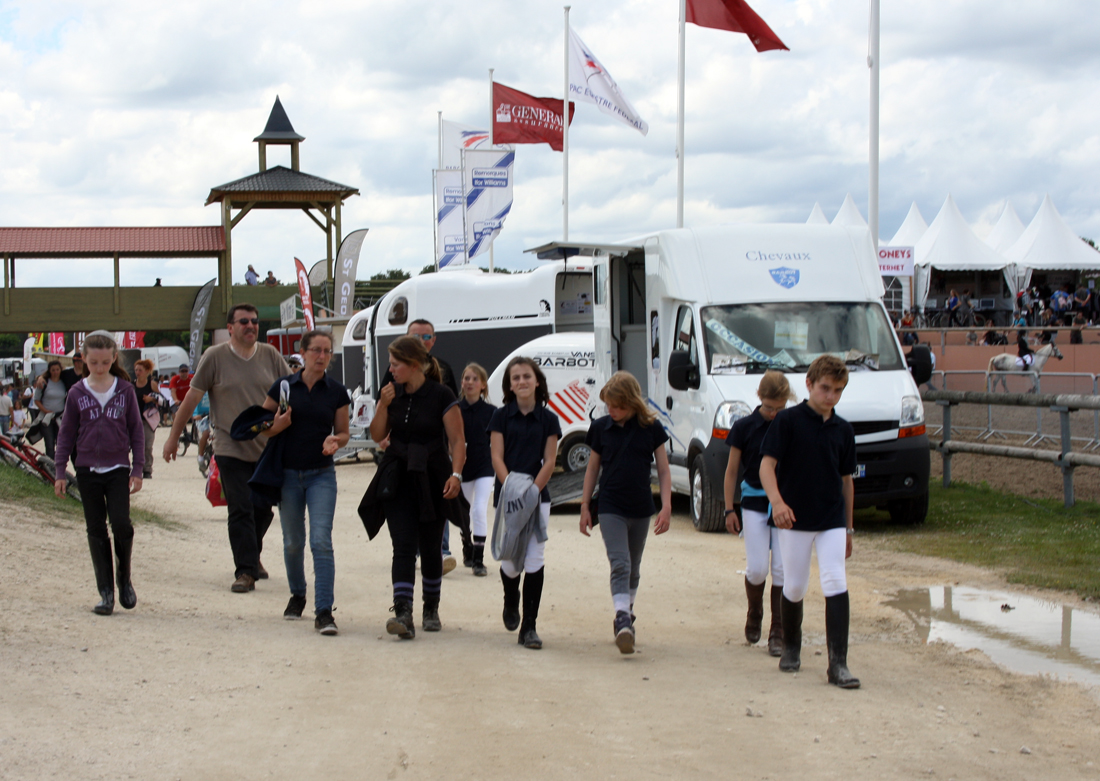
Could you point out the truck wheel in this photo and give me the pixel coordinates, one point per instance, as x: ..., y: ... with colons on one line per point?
x: 575, y: 454
x: 706, y: 508
x: 909, y: 511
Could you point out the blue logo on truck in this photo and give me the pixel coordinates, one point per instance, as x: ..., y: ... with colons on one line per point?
x: 785, y: 277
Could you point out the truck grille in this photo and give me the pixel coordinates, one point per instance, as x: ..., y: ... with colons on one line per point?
x: 872, y: 485
x: 873, y: 426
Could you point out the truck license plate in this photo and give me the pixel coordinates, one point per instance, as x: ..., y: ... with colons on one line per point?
x: 861, y: 471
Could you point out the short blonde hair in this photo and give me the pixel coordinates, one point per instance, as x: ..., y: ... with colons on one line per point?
x: 623, y: 390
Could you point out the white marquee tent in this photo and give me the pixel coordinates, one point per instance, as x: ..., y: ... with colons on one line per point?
x: 849, y: 215
x: 1006, y: 231
x: 949, y: 244
x: 817, y: 216
x: 1049, y: 244
x: 912, y: 228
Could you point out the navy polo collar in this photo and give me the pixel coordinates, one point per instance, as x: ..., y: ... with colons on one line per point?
x: 818, y: 418
x: 297, y: 377
x: 512, y: 408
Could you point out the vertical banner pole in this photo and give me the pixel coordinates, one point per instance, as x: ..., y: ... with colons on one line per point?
x: 565, y: 140
x: 491, y: 144
x: 680, y: 118
x: 439, y: 131
x: 872, y: 63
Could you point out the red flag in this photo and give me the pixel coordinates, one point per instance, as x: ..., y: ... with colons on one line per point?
x: 57, y: 344
x: 735, y: 16
x: 132, y: 340
x: 519, y: 118
x: 305, y: 292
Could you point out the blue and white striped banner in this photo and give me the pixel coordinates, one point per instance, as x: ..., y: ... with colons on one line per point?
x: 487, y: 182
x: 450, y: 228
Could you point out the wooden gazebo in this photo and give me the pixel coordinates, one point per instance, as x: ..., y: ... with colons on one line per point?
x: 281, y: 188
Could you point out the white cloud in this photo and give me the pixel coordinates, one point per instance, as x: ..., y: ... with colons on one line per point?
x: 127, y: 113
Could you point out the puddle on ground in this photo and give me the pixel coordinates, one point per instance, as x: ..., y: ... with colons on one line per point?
x: 1035, y: 637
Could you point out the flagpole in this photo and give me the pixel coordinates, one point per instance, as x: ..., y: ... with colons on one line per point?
x: 565, y: 140
x: 680, y: 118
x: 491, y: 145
x: 872, y: 63
x: 435, y: 189
x: 439, y: 133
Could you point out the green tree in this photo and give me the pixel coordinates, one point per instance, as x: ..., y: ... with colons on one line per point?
x: 428, y: 269
x: 393, y: 273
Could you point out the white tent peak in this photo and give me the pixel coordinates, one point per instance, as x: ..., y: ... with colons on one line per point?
x: 950, y: 243
x: 1048, y: 243
x: 1007, y: 230
x: 911, y: 230
x: 849, y: 215
x: 817, y: 216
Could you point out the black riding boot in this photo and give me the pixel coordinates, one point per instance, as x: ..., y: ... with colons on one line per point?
x: 836, y: 638
x: 511, y: 601
x: 755, y: 595
x: 123, y: 551
x: 532, y: 596
x: 431, y: 622
x: 775, y: 634
x: 479, y: 557
x: 791, y: 612
x: 401, y: 624
x: 104, y: 574
x: 467, y: 546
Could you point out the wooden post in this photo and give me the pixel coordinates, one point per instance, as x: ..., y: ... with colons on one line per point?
x: 294, y: 155
x: 263, y: 156
x: 227, y: 272
x: 328, y: 239
x: 339, y: 235
x: 116, y: 283
x: 1067, y: 445
x: 946, y: 438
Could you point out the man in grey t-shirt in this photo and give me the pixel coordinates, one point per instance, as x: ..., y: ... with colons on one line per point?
x: 237, y: 374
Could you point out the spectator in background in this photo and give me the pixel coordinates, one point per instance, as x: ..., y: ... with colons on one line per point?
x: 907, y: 321
x: 1082, y: 300
x: 1059, y: 304
x: 148, y: 395
x: 1046, y: 321
x: 271, y: 281
x: 74, y: 375
x: 251, y: 277
x: 19, y: 416
x: 1075, y: 336
x: 50, y: 397
x: 6, y: 407
x: 179, y: 385
x: 953, y: 309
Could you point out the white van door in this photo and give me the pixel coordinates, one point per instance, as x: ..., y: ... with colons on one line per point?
x: 607, y: 357
x: 687, y: 406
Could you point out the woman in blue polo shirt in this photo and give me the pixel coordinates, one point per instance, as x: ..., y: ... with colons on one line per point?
x: 625, y: 442
x: 477, y: 472
x: 315, y: 426
x: 761, y: 537
x: 523, y: 436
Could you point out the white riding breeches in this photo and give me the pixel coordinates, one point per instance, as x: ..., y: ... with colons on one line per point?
x: 761, y: 544
x: 831, y: 546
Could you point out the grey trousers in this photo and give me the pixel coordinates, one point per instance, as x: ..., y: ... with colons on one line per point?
x: 624, y: 539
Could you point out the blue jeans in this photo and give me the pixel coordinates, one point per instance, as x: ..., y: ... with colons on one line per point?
x: 316, y: 489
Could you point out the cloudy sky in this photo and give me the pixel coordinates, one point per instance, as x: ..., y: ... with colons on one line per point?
x: 127, y: 113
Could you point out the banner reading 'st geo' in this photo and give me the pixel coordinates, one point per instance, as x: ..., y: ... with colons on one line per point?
x: 450, y: 225
x: 895, y: 261
x: 347, y: 262
x: 487, y: 184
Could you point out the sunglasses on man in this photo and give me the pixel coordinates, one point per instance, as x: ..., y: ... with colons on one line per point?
x: 246, y: 321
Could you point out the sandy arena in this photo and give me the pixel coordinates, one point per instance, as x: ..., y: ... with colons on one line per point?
x: 200, y: 683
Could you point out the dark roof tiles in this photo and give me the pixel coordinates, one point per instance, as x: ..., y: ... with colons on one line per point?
x: 107, y: 241
x: 280, y: 179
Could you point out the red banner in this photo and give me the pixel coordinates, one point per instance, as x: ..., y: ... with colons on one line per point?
x: 735, y: 16
x: 305, y: 293
x: 519, y: 118
x: 132, y: 340
x: 57, y: 344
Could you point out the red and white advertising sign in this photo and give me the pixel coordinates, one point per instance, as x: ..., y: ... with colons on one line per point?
x: 519, y: 118
x: 132, y: 340
x: 895, y: 261
x: 305, y: 292
x: 57, y: 343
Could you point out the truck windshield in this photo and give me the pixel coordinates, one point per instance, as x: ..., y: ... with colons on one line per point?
x: 752, y: 338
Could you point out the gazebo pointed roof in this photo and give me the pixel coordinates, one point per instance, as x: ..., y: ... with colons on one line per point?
x: 911, y: 230
x: 282, y: 185
x: 849, y: 215
x: 817, y: 216
x: 1048, y: 243
x: 1007, y: 230
x: 278, y: 129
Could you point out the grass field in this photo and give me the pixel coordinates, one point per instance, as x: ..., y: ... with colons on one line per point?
x: 1035, y: 542
x: 19, y: 488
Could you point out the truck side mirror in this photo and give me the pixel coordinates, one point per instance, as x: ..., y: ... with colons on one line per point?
x: 682, y: 373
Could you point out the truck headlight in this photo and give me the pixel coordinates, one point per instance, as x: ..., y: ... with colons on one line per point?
x: 912, y: 417
x: 729, y: 412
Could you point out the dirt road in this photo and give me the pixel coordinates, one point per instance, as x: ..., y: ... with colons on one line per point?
x: 200, y: 683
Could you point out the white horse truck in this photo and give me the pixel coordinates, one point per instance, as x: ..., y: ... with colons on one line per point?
x: 478, y: 317
x: 697, y: 315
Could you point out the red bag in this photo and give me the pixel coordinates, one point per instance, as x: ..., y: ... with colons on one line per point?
x: 215, y: 494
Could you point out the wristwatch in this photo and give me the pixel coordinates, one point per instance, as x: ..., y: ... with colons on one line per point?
x: 458, y: 475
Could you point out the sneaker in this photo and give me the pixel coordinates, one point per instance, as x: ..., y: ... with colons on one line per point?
x: 294, y: 608
x: 243, y: 584
x: 449, y: 563
x: 324, y: 623
x: 624, y: 632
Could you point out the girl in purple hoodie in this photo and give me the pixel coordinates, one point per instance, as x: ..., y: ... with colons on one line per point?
x: 102, y: 425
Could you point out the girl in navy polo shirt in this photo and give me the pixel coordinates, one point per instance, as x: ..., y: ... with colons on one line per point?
x: 761, y: 536
x: 477, y: 472
x: 625, y: 442
x: 523, y: 436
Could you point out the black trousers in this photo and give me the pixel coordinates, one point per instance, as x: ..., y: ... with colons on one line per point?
x: 49, y: 438
x: 410, y: 534
x: 248, y: 522
x: 104, y: 496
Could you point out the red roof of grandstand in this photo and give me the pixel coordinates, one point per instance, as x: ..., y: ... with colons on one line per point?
x: 199, y: 241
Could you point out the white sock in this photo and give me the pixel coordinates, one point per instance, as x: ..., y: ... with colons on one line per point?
x: 633, y: 596
x: 622, y: 602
